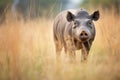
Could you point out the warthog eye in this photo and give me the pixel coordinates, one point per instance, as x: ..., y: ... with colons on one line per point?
x: 89, y: 23
x: 76, y: 23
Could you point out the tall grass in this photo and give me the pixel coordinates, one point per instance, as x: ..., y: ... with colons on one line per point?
x: 27, y: 52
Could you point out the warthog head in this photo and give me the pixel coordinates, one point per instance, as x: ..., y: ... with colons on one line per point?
x: 82, y: 25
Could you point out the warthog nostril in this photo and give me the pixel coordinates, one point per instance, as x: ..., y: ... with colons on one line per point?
x: 86, y: 34
x: 83, y: 36
x: 83, y: 33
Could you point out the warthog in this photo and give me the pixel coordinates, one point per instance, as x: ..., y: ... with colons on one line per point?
x: 74, y: 30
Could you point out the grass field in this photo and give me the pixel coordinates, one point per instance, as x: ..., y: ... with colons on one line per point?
x: 27, y: 52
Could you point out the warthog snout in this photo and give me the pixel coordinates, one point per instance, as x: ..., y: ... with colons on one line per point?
x: 83, y: 36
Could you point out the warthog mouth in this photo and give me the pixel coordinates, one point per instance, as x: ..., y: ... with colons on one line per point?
x: 84, y: 39
x: 81, y: 39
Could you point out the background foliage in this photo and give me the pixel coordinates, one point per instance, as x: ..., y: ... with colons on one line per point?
x: 45, y: 6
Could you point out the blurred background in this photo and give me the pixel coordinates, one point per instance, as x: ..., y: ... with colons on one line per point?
x: 27, y: 50
x: 49, y: 8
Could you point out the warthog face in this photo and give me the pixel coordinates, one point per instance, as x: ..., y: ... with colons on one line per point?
x: 82, y: 25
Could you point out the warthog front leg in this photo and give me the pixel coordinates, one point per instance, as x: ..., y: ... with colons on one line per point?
x: 70, y: 50
x: 85, y: 51
x: 58, y: 46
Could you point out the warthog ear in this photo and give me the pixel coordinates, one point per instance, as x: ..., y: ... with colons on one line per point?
x: 95, y: 16
x: 70, y: 17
